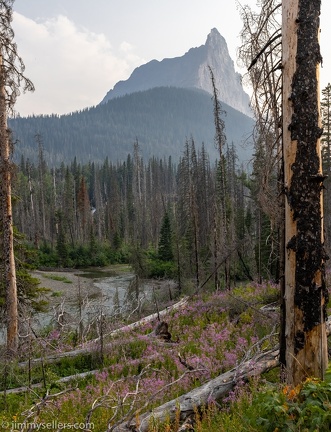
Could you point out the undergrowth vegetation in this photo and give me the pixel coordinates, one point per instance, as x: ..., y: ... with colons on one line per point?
x: 134, y: 371
x: 271, y: 407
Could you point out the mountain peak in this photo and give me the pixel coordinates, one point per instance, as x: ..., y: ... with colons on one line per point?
x: 215, y: 38
x: 191, y: 71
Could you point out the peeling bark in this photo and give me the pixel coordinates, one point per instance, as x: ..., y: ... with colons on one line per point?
x: 305, y: 291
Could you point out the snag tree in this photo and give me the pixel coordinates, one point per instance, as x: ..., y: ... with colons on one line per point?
x: 11, y: 77
x: 293, y: 63
x: 305, y: 344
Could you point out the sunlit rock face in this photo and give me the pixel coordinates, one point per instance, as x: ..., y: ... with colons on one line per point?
x: 191, y: 71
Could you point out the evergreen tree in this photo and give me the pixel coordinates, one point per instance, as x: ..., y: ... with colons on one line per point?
x: 61, y: 243
x: 165, y: 243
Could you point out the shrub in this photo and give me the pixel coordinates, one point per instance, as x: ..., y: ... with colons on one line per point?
x: 162, y: 269
x: 304, y: 407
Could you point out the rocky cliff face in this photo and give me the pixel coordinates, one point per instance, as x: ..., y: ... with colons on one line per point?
x: 191, y: 70
x: 227, y: 80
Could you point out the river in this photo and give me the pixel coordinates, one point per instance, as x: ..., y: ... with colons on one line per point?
x: 77, y: 300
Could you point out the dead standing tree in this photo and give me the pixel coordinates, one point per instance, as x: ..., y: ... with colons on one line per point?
x: 221, y: 244
x: 305, y: 349
x: 303, y: 337
x: 11, y: 78
x: 261, y: 54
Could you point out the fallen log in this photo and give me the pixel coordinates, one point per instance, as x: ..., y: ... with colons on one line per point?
x: 154, y: 316
x: 52, y: 358
x: 216, y: 389
x: 66, y: 379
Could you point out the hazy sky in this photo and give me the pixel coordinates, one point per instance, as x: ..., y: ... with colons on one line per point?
x: 76, y: 50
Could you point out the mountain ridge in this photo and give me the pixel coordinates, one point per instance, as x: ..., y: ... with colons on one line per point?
x: 162, y: 105
x: 191, y: 71
x: 161, y: 119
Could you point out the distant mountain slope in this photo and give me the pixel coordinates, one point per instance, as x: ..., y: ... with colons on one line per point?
x: 161, y: 119
x: 191, y: 71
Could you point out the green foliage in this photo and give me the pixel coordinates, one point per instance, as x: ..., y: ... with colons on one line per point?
x: 99, y: 214
x: 266, y: 259
x: 80, y: 256
x: 206, y: 334
x: 271, y: 408
x: 17, y: 376
x: 70, y: 366
x: 13, y: 404
x: 135, y: 349
x: 238, y: 416
x: 165, y: 243
x: 161, y: 269
x: 267, y: 293
x: 305, y: 407
x: 147, y: 264
x: 30, y: 294
x: 138, y: 260
x: 56, y: 294
x: 46, y: 257
x: 58, y: 278
x: 61, y: 242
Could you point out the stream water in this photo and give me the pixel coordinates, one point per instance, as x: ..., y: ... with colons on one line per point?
x: 89, y: 295
x: 109, y: 295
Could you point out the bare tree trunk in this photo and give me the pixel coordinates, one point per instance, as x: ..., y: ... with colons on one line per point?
x: 305, y: 291
x: 7, y: 219
x: 41, y: 169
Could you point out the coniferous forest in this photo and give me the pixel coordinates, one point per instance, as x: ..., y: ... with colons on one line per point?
x: 167, y: 219
x: 161, y: 118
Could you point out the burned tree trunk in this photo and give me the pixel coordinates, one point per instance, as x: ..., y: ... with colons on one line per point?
x: 304, y: 350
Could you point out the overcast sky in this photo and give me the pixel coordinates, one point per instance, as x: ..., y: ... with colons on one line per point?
x: 76, y: 50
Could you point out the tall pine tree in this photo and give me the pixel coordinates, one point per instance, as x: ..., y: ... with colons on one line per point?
x: 165, y: 252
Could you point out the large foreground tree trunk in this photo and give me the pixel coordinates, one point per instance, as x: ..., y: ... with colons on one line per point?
x: 7, y: 222
x: 305, y: 350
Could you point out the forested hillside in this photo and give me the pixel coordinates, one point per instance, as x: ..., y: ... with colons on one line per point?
x: 169, y: 209
x: 161, y: 119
